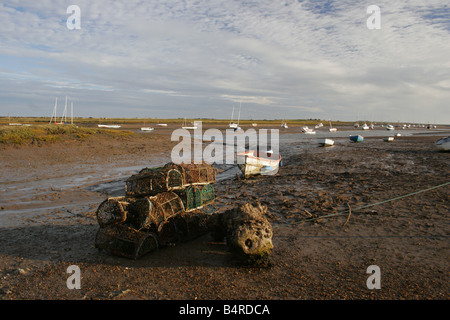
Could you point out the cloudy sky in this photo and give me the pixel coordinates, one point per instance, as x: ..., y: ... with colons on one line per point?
x: 197, y: 59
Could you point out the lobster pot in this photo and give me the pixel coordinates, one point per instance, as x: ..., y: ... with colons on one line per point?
x: 112, y: 211
x: 195, y: 197
x: 151, y: 182
x: 124, y: 241
x: 150, y: 212
x: 195, y: 174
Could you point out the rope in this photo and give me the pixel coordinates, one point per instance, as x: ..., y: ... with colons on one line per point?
x: 367, y: 206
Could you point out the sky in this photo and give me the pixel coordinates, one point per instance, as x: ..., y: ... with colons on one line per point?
x: 200, y: 59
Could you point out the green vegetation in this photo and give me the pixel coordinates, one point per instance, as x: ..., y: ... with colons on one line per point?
x: 19, y: 135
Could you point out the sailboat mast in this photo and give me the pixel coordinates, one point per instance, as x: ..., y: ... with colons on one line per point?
x: 232, y: 115
x: 64, y: 113
x: 71, y: 112
x: 239, y: 117
x: 54, y: 111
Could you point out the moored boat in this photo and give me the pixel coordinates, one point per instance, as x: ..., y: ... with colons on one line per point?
x: 443, y: 144
x: 357, y: 138
x: 326, y: 142
x: 254, y: 163
x: 388, y: 139
x: 110, y: 126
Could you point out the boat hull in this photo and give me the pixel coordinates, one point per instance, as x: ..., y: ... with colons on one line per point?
x: 250, y: 163
x: 326, y: 142
x: 443, y: 144
x: 356, y: 138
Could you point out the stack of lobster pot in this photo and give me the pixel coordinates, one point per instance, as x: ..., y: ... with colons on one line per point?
x: 161, y: 206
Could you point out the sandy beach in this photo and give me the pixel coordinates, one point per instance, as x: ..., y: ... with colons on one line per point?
x: 49, y: 194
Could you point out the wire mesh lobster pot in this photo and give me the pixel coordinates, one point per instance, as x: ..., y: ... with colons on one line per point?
x: 150, y: 212
x: 170, y: 177
x: 195, y: 174
x: 112, y: 211
x: 152, y: 182
x: 124, y: 241
x: 195, y: 197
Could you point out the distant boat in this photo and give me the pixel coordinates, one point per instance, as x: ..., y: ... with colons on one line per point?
x: 185, y: 126
x: 388, y: 139
x: 233, y: 125
x: 284, y: 125
x: 147, y: 129
x: 365, y: 126
x: 357, y: 138
x: 161, y: 124
x: 307, y: 130
x: 390, y: 127
x: 319, y: 125
x: 443, y: 144
x: 111, y: 126
x: 326, y: 142
x: 331, y: 128
x: 255, y: 163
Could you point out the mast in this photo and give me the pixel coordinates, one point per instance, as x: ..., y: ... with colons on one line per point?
x: 239, y: 117
x: 232, y: 115
x: 64, y: 113
x: 71, y: 112
x: 54, y: 111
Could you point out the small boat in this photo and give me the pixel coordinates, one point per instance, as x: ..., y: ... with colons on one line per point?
x: 326, y: 142
x: 284, y: 125
x: 388, y: 139
x: 390, y: 127
x: 110, y: 126
x: 147, y: 129
x: 443, y: 144
x: 307, y: 130
x: 398, y: 134
x: 357, y: 138
x: 255, y: 163
x: 332, y: 129
x: 365, y: 126
x: 185, y: 126
x: 161, y: 124
x: 319, y: 125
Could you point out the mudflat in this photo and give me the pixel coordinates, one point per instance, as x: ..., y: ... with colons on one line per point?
x: 335, y: 212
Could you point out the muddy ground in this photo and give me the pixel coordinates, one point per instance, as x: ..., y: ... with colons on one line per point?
x: 50, y: 194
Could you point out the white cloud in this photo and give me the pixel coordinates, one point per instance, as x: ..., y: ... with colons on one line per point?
x: 286, y: 59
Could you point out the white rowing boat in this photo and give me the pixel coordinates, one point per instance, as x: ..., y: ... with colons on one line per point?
x: 254, y: 163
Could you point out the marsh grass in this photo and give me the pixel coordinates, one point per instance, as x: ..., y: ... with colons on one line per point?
x: 19, y: 135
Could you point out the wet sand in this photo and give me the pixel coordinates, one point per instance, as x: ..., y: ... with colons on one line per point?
x: 49, y: 195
